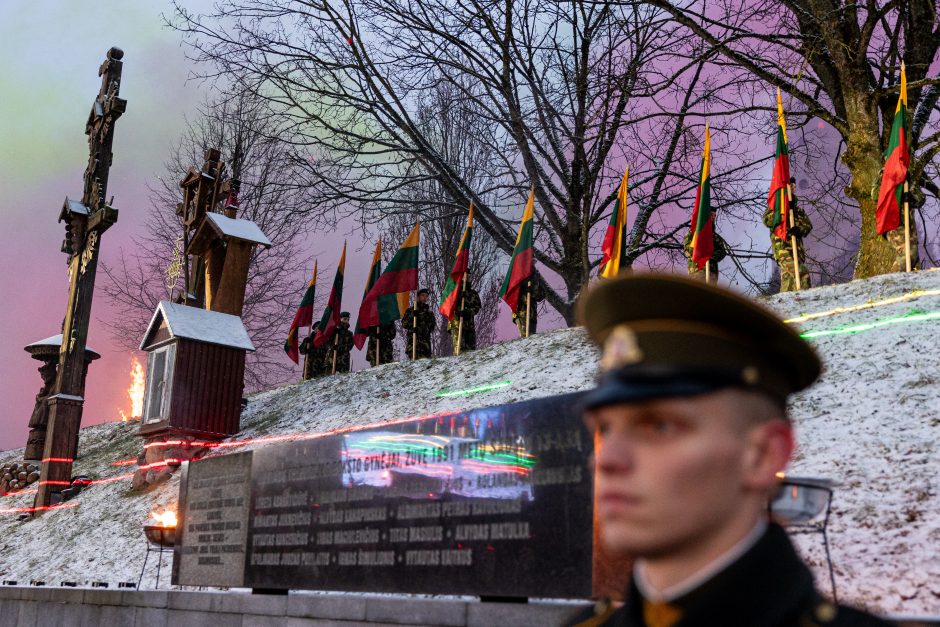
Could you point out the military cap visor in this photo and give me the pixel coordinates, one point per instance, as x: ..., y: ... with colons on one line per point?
x: 665, y: 335
x: 344, y: 314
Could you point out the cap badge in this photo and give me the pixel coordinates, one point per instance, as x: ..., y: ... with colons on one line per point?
x: 621, y: 349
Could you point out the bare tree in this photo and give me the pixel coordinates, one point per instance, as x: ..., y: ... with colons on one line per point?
x: 566, y: 94
x: 241, y: 129
x: 838, y: 62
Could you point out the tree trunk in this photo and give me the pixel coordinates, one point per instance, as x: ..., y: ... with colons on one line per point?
x: 863, y: 159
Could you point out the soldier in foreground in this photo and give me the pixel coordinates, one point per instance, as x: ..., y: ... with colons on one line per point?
x: 419, y: 321
x: 343, y: 343
x: 782, y: 249
x: 383, y: 336
x: 692, y: 429
x: 469, y: 307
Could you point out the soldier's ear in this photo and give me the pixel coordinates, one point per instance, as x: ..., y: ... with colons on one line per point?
x: 768, y: 448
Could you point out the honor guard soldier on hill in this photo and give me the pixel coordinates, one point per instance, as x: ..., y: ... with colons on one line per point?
x: 783, y: 248
x: 419, y: 321
x: 383, y: 335
x: 343, y: 344
x: 691, y: 427
x: 720, y: 252
x: 315, y: 358
x: 470, y: 306
x: 519, y: 316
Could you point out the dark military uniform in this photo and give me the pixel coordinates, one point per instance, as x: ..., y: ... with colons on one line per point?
x: 342, y: 343
x: 769, y: 586
x: 783, y: 248
x: 383, y: 334
x: 315, y: 358
x: 666, y: 337
x: 471, y: 306
x: 519, y: 317
x: 720, y: 252
x: 424, y: 325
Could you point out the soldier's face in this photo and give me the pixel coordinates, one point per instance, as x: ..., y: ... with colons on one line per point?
x: 674, y: 475
x: 423, y: 298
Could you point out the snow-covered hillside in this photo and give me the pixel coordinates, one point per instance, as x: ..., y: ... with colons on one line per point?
x: 872, y: 423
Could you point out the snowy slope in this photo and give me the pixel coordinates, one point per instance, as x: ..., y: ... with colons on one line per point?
x: 872, y: 423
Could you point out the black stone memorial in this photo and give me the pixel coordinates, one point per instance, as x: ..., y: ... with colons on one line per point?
x: 491, y: 502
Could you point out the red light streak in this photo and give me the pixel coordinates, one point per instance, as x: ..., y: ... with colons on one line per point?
x: 63, y: 460
x: 30, y: 510
x: 125, y: 462
x: 30, y: 491
x: 66, y: 483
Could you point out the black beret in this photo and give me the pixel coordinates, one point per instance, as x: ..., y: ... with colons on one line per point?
x: 344, y: 314
x: 423, y: 291
x: 666, y: 335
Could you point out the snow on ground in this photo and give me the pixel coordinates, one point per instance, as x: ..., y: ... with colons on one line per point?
x: 871, y: 423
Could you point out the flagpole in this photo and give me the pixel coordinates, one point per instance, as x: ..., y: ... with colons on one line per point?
x: 378, y: 347
x: 463, y: 284
x: 796, y: 259
x: 708, y: 264
x: 414, y: 330
x: 528, y: 305
x: 907, y: 230
x: 335, y: 349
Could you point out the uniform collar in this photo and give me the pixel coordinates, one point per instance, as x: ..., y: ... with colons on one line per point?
x: 683, y: 588
x: 767, y: 585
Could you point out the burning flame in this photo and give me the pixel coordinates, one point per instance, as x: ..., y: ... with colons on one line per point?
x: 135, y: 391
x: 166, y: 519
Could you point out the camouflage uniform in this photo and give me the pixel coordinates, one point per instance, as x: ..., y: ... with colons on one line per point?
x: 783, y: 248
x: 313, y: 363
x: 719, y: 253
x: 425, y: 326
x: 468, y: 335
x: 342, y: 342
x: 384, y: 334
x: 518, y: 316
x: 896, y: 237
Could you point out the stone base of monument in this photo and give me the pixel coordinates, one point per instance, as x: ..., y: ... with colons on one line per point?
x: 162, y: 456
x: 16, y: 476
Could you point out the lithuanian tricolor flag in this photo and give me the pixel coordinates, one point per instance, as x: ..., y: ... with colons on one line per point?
x: 520, y: 266
x: 897, y: 158
x: 778, y: 200
x: 375, y: 271
x: 330, y: 318
x: 388, y: 298
x: 302, y: 319
x: 448, y: 305
x: 614, y: 238
x: 703, y: 239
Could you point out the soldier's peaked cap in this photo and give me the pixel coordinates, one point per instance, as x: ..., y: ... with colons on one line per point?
x: 665, y: 335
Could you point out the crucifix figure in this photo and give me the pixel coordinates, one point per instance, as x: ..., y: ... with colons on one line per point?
x: 85, y: 222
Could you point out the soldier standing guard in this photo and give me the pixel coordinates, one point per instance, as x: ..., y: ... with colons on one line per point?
x: 419, y: 322
x: 895, y: 237
x: 343, y: 344
x: 719, y: 253
x: 315, y: 363
x: 383, y: 335
x: 691, y: 433
x: 519, y: 316
x: 783, y: 248
x: 470, y: 306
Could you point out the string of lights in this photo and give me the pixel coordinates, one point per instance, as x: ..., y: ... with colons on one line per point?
x: 869, y: 305
x: 858, y: 328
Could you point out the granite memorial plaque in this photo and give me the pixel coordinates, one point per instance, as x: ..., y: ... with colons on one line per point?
x: 213, y: 521
x: 495, y: 502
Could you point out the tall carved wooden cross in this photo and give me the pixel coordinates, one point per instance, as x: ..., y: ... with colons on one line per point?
x: 85, y: 222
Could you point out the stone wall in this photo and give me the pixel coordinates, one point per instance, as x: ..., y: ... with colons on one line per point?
x: 76, y: 607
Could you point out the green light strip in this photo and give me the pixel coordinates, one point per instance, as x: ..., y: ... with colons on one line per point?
x: 476, y: 390
x: 934, y: 315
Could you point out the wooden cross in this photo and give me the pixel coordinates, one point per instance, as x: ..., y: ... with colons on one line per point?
x: 85, y: 222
